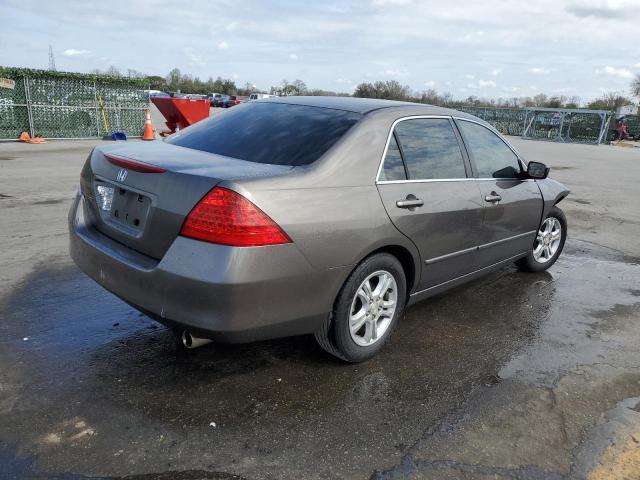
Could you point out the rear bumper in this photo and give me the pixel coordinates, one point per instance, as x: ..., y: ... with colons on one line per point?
x: 225, y: 293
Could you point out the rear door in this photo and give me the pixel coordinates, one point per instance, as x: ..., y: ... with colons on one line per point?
x: 428, y: 192
x: 513, y: 204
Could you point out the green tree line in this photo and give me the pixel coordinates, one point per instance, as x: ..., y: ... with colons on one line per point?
x: 390, y: 90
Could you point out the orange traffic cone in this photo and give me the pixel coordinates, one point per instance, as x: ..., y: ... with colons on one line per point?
x: 26, y: 138
x: 148, y: 128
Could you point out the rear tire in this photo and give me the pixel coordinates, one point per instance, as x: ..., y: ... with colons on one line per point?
x: 366, y: 310
x: 548, y: 244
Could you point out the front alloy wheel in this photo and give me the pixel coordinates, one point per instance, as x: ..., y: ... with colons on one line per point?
x: 548, y: 244
x: 548, y: 240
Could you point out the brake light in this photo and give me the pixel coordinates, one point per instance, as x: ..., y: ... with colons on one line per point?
x: 135, y: 165
x: 226, y: 217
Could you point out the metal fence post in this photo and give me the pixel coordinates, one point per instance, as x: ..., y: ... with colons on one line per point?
x: 27, y: 94
x: 604, y: 124
x: 95, y: 104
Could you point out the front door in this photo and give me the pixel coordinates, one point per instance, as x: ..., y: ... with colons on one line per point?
x: 430, y: 198
x: 513, y: 204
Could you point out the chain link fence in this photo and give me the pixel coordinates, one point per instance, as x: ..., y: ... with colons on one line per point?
x: 566, y: 125
x: 57, y: 105
x: 507, y: 121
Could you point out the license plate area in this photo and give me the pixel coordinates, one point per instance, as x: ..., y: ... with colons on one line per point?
x: 127, y: 209
x: 130, y: 208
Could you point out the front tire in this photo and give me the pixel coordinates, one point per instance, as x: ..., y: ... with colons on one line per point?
x: 548, y: 244
x: 366, y: 310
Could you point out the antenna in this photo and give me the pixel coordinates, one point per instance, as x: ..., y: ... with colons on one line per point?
x: 52, y: 60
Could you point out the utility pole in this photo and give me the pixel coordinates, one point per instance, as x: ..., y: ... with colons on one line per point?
x: 52, y: 60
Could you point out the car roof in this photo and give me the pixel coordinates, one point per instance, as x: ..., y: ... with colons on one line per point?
x: 361, y: 105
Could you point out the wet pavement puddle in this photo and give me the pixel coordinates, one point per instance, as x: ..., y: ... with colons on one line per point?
x: 91, y: 387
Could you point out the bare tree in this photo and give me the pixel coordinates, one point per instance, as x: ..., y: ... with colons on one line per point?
x: 609, y: 101
x: 635, y: 86
x: 389, y: 90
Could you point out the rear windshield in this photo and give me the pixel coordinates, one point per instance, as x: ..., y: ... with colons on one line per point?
x: 274, y: 133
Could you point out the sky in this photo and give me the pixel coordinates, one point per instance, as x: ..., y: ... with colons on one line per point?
x: 487, y: 48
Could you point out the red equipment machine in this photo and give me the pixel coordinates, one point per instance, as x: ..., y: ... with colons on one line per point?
x: 182, y: 112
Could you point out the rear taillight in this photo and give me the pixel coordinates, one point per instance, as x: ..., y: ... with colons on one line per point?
x: 226, y: 217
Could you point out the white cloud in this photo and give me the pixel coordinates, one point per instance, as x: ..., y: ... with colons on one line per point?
x: 193, y: 57
x: 470, y: 77
x: 615, y: 72
x: 231, y: 26
x: 391, y: 72
x: 495, y: 72
x: 539, y: 71
x: 601, y: 9
x: 564, y: 90
x: 293, y: 56
x: 482, y: 84
x: 223, y: 45
x: 72, y: 52
x: 344, y: 81
x: 472, y: 37
x: 430, y: 84
x: 384, y: 3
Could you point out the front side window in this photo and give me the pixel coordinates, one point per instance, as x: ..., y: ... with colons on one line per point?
x: 492, y: 157
x: 430, y: 149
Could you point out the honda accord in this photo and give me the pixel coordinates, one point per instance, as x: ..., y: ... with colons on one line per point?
x: 310, y: 215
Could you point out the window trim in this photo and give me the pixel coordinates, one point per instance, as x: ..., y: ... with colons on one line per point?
x: 466, y: 160
x: 472, y: 160
x: 404, y: 162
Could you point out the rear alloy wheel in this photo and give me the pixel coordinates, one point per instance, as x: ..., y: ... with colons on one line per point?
x: 373, y: 307
x: 548, y: 244
x: 366, y: 310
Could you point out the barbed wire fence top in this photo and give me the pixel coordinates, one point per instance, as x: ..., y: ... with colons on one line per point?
x: 70, y: 105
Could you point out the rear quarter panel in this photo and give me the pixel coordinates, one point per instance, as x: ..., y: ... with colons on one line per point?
x: 332, y: 227
x: 332, y: 209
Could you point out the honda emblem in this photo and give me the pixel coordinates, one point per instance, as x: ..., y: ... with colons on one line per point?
x: 122, y: 174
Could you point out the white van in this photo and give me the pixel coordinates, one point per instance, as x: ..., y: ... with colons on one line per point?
x: 260, y: 96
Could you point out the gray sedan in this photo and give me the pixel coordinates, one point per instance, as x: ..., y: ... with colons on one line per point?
x: 310, y: 215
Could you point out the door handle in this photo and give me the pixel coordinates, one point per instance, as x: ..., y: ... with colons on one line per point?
x: 410, y: 202
x: 493, y: 197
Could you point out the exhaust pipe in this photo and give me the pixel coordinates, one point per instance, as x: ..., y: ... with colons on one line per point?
x: 189, y: 341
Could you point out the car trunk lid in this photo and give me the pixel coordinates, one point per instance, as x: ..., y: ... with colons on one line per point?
x: 139, y: 194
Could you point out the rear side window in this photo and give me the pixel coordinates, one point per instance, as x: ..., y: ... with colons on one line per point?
x: 274, y: 133
x: 492, y: 157
x: 430, y: 149
x: 393, y: 167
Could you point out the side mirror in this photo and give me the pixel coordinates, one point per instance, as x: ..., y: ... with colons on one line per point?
x: 537, y: 170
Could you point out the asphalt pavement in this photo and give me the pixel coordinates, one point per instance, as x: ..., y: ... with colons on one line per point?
x: 513, y: 376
